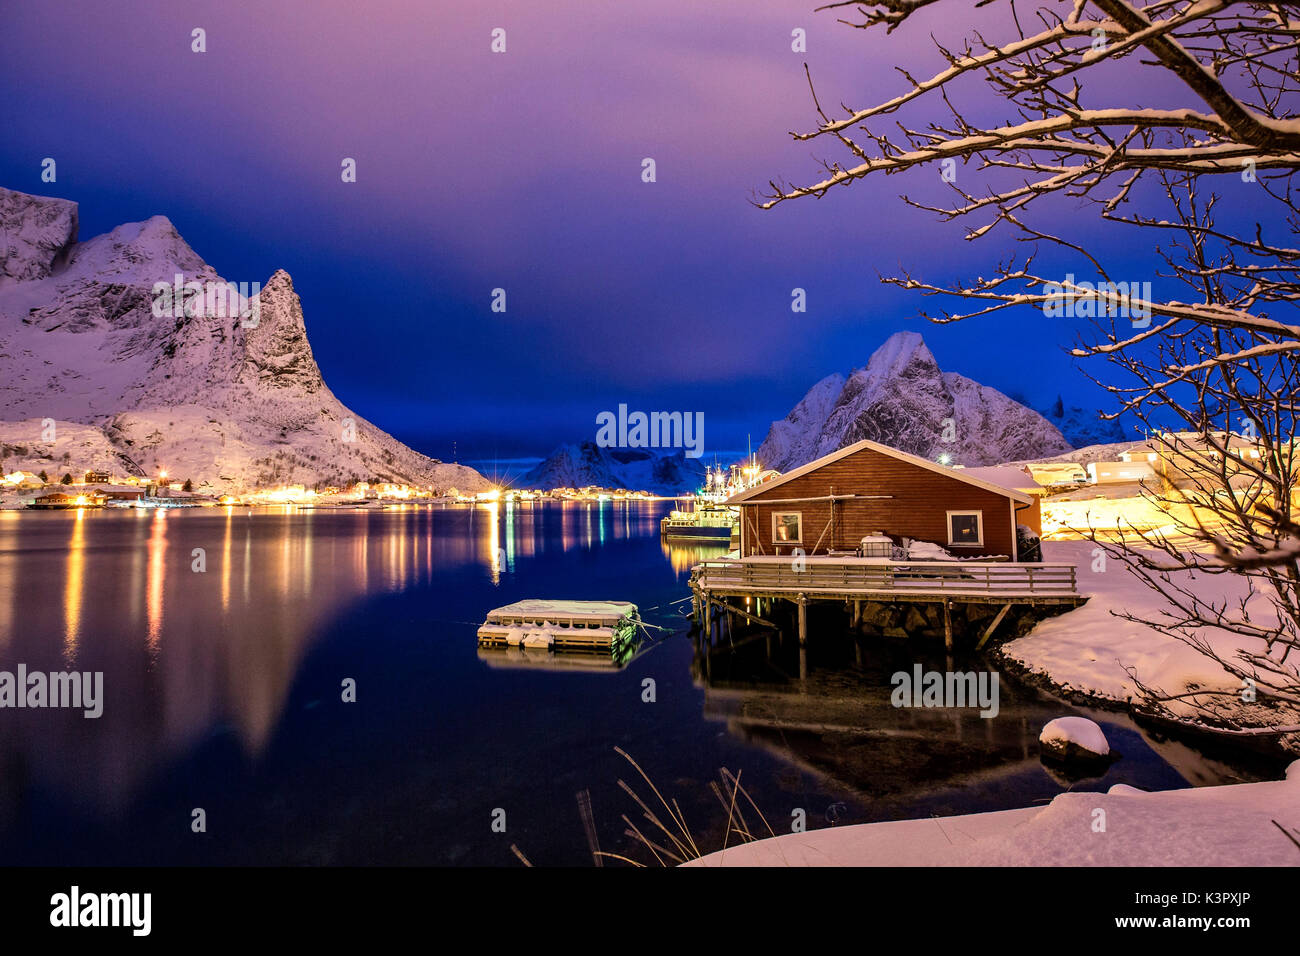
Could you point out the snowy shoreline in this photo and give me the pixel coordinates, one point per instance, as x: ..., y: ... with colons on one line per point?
x: 1236, y: 825
x: 1081, y: 656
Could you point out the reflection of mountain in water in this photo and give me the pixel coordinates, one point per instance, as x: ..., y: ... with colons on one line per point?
x: 188, y: 655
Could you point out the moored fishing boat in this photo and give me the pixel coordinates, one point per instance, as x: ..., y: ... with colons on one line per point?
x: 708, y: 519
x: 704, y: 522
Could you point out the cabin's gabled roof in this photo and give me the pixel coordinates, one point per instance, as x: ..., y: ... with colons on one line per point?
x: 867, y: 444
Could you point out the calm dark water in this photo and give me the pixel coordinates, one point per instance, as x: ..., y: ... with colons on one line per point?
x: 223, y: 691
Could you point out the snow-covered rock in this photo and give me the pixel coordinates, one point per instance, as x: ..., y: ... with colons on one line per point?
x: 1082, y: 427
x: 1073, y: 738
x: 794, y: 440
x: 901, y: 398
x: 231, y: 403
x: 35, y: 234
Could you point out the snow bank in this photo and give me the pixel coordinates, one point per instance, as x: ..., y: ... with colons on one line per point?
x: 1207, y: 826
x: 1088, y: 649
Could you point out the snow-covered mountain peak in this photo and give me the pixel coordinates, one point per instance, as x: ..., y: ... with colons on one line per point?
x: 899, y: 353
x: 221, y: 393
x: 901, y: 398
x: 140, y: 253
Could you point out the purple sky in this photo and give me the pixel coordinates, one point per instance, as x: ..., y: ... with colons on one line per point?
x: 522, y: 171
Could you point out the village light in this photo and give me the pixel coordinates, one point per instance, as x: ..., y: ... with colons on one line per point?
x: 945, y: 458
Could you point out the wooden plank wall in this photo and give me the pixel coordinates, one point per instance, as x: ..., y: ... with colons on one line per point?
x: 918, y: 508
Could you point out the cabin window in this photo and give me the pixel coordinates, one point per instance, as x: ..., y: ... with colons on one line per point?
x: 966, y: 529
x: 787, y: 527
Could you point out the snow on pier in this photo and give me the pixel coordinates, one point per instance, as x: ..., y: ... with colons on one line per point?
x: 880, y: 578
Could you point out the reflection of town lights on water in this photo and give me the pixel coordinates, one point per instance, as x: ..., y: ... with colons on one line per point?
x: 494, y: 541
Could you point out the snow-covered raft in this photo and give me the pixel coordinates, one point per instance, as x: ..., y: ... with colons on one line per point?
x: 561, y: 625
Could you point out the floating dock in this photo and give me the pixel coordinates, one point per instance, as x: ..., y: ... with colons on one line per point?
x: 561, y: 625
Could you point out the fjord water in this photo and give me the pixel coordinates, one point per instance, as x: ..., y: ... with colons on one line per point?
x: 223, y: 692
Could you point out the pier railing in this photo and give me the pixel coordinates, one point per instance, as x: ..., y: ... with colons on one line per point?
x: 913, y: 580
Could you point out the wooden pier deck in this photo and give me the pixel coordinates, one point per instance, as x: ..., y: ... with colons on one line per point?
x: 858, y: 581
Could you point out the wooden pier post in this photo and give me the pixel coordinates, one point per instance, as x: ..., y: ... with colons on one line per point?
x: 803, y: 620
x: 708, y: 618
x: 803, y: 637
x: 947, y: 625
x: 989, y: 630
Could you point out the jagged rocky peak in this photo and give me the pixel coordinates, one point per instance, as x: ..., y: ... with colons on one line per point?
x: 276, y: 350
x: 227, y: 395
x: 36, y: 234
x: 903, y: 353
x: 902, y: 398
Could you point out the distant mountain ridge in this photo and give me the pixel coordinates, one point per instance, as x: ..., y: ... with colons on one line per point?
x: 1082, y: 427
x: 585, y: 464
x: 902, y: 398
x: 206, y: 396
